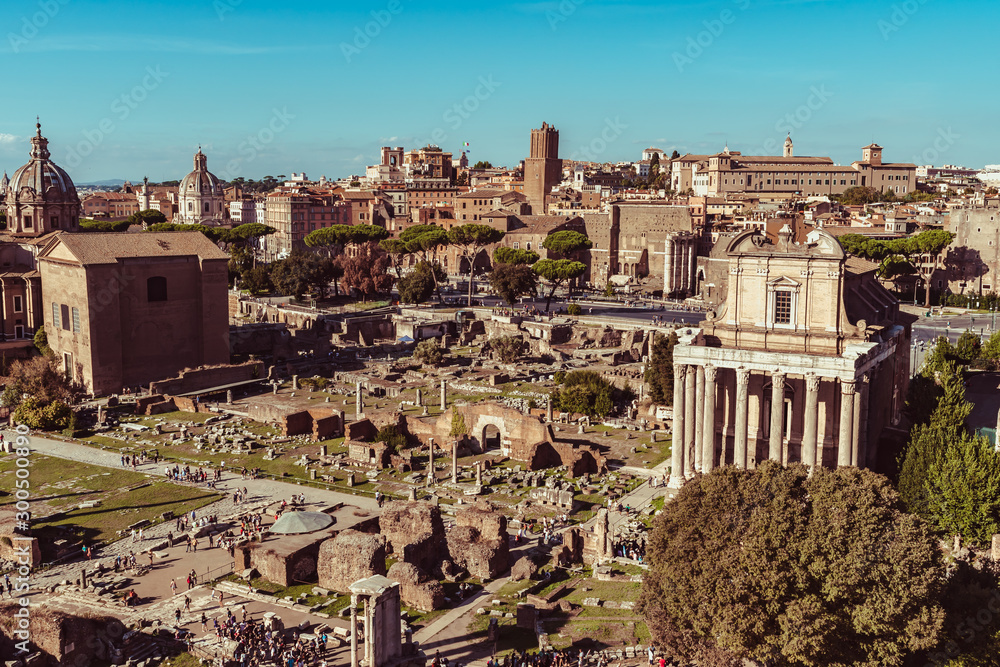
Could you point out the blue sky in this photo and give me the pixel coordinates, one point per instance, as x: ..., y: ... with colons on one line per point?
x: 131, y: 89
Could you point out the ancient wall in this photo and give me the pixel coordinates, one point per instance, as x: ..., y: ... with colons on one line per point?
x: 14, y: 547
x: 415, y: 532
x: 284, y: 569
x: 416, y: 589
x: 208, y: 377
x: 81, y: 639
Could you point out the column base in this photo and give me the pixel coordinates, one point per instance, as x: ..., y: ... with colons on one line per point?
x: 675, y: 482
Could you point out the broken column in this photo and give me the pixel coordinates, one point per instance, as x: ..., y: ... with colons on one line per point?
x: 430, y: 462
x: 274, y: 388
x: 444, y: 395
x: 229, y: 396
x: 454, y: 462
x: 548, y: 410
x: 354, y: 631
x: 601, y: 530
x: 295, y: 383
x: 479, y: 473
x: 420, y: 398
x: 359, y: 407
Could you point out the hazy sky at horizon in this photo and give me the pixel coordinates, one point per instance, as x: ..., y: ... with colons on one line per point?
x: 131, y: 89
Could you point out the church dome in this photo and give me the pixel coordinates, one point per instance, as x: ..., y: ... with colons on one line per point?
x: 41, y: 180
x: 201, y: 181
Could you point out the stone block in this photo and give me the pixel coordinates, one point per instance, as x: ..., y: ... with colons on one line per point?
x: 416, y: 589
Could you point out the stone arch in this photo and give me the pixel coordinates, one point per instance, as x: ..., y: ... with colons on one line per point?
x: 492, y: 437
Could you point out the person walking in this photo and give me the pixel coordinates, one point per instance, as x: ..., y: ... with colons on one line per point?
x: 173, y: 587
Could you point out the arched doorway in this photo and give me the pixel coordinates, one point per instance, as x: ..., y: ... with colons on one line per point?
x: 491, y: 437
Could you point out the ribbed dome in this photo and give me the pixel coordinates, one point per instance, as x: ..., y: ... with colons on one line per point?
x: 46, y: 181
x: 201, y: 180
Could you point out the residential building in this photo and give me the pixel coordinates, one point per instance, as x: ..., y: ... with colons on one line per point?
x: 110, y: 205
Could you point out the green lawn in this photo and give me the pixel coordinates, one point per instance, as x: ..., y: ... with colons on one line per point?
x: 126, y: 498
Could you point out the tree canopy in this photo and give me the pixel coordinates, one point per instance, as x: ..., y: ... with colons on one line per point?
x: 512, y: 281
x: 423, y: 241
x: 507, y: 255
x: 897, y: 255
x: 660, y: 371
x: 566, y: 242
x: 557, y: 272
x: 342, y: 235
x: 418, y: 286
x: 777, y: 567
x: 472, y: 238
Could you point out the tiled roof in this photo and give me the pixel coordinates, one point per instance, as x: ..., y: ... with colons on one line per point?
x: 108, y: 248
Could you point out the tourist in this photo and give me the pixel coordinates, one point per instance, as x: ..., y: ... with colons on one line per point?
x: 187, y: 603
x: 173, y: 587
x: 204, y: 623
x: 177, y: 616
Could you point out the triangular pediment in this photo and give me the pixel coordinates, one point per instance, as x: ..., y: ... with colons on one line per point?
x: 783, y: 281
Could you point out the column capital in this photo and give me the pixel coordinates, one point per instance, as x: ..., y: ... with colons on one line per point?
x: 711, y: 372
x: 778, y: 379
x: 812, y: 382
x: 692, y: 370
x: 847, y: 387
x: 743, y: 376
x: 679, y: 369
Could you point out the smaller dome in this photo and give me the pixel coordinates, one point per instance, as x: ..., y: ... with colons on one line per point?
x: 201, y: 181
x: 292, y: 523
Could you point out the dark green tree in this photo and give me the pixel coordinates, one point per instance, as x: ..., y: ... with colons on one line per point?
x: 557, y: 272
x: 472, y: 238
x: 418, y: 286
x: 428, y: 352
x: 676, y: 154
x: 660, y: 371
x: 483, y: 164
x: 507, y: 255
x: 301, y: 271
x: 258, y: 280
x: 424, y: 241
x: 512, y: 281
x: 783, y: 569
x: 969, y: 347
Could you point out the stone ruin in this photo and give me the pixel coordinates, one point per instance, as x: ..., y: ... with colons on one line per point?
x: 61, y: 638
x: 348, y: 557
x: 415, y: 532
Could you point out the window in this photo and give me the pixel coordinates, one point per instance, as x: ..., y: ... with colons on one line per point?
x: 68, y: 365
x: 527, y: 246
x: 156, y: 289
x: 782, y: 307
x: 516, y: 245
x: 64, y: 312
x: 76, y: 320
x: 27, y: 222
x: 55, y: 315
x: 54, y: 221
x: 18, y: 305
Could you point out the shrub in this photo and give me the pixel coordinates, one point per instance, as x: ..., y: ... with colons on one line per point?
x: 574, y: 309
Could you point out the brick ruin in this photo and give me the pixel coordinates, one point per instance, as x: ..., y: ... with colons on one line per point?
x: 348, y: 557
x: 62, y: 639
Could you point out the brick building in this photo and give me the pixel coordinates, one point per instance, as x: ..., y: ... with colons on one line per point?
x: 543, y: 168
x: 122, y: 310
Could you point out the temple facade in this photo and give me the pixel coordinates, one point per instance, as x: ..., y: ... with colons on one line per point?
x: 806, y: 360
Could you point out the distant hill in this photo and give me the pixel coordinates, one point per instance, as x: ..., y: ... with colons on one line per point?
x: 110, y: 183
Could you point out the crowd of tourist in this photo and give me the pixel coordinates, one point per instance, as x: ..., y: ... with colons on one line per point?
x: 256, y: 646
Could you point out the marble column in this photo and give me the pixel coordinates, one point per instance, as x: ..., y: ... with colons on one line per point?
x: 359, y: 406
x: 369, y: 632
x: 454, y: 462
x: 548, y: 410
x: 420, y: 398
x: 708, y: 422
x: 699, y: 419
x: 860, y: 415
x: 354, y: 631
x: 689, y: 421
x: 430, y: 462
x: 677, y: 434
x: 811, y: 422
x: 845, y: 444
x: 668, y: 269
x: 444, y: 395
x: 689, y: 275
x: 742, y: 405
x: 777, y: 415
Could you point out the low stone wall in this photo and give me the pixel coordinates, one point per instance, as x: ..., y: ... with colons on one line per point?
x: 200, y: 379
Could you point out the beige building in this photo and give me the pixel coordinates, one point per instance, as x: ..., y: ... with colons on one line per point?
x: 123, y: 310
x: 733, y: 172
x: 806, y: 360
